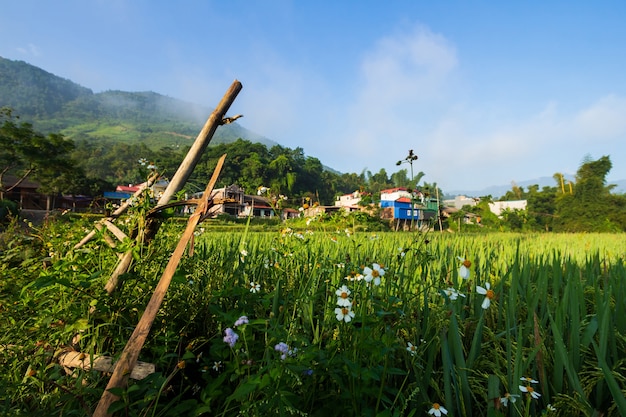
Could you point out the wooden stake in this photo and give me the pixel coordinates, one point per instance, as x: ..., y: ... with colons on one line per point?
x: 130, y: 354
x: 180, y: 177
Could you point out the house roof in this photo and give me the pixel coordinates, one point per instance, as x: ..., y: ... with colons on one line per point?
x: 393, y: 190
x: 10, y: 180
x: 403, y: 200
x: 127, y: 188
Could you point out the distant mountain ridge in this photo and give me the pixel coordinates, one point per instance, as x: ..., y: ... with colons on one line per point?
x: 54, y: 104
x: 497, y: 191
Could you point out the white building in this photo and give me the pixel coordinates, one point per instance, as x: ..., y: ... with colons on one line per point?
x: 348, y: 200
x: 460, y: 201
x: 499, y: 206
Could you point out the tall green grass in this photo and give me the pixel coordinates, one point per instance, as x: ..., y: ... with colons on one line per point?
x: 557, y: 317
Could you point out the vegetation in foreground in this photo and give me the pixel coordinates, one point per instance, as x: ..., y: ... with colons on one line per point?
x: 327, y: 322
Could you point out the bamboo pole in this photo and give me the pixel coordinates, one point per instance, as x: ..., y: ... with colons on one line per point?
x: 185, y: 169
x: 129, y: 356
x: 204, y: 137
x: 120, y: 210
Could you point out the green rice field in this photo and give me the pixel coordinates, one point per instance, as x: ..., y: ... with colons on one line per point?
x: 320, y: 322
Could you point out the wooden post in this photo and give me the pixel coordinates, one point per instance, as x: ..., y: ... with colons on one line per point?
x: 204, y: 137
x: 129, y: 356
x: 180, y: 177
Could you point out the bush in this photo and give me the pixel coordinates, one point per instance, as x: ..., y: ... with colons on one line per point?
x: 8, y: 209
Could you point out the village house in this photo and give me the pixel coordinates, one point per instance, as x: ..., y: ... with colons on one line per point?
x: 349, y: 202
x: 407, y: 209
x: 27, y: 195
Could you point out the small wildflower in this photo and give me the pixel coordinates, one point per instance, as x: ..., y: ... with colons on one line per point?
x: 262, y: 190
x: 344, y: 313
x: 285, y: 350
x: 241, y: 321
x: 437, y: 410
x: 255, y: 287
x: 217, y: 365
x: 375, y: 273
x: 508, y: 398
x: 530, y: 390
x: 342, y: 296
x: 354, y: 276
x: 411, y: 348
x: 488, y: 293
x: 231, y: 337
x: 529, y: 380
x: 452, y: 294
x: 550, y: 407
x: 464, y: 271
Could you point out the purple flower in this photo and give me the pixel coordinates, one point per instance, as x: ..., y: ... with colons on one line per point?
x: 283, y: 348
x: 231, y: 337
x: 241, y: 320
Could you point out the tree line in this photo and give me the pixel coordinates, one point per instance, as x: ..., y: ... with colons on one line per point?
x: 91, y: 167
x: 584, y: 205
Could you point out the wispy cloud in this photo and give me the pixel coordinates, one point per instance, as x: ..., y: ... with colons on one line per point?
x: 530, y: 147
x: 604, y: 120
x: 402, y: 78
x: 29, y: 50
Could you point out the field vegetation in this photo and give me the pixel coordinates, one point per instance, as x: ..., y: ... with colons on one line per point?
x: 327, y: 318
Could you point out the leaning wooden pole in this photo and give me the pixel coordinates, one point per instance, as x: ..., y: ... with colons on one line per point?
x: 204, y: 137
x: 129, y: 356
x: 181, y: 176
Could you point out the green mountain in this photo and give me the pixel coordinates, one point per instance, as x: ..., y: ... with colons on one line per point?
x: 54, y: 104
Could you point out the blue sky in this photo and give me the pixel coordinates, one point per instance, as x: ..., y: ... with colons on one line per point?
x: 485, y: 92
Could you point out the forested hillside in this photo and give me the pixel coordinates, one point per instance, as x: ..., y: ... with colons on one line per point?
x: 56, y: 105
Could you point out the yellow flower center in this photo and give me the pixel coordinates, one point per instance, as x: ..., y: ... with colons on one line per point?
x: 467, y: 263
x: 436, y: 406
x: 490, y: 294
x: 375, y: 273
x: 530, y: 390
x: 345, y: 311
x: 344, y: 295
x: 413, y: 348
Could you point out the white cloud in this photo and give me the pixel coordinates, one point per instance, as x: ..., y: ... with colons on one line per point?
x: 603, y: 120
x: 30, y: 50
x: 469, y: 151
x: 402, y: 80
